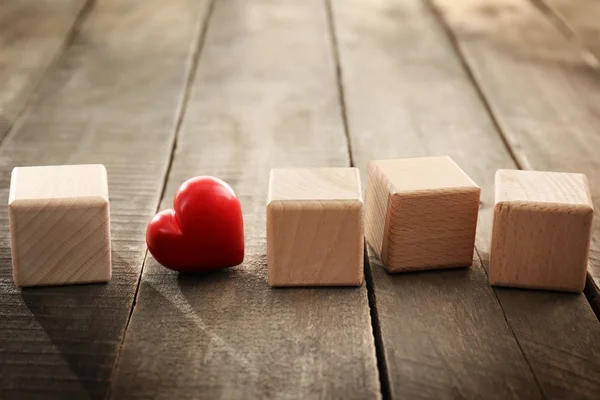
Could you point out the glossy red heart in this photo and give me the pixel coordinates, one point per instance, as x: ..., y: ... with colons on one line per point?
x: 203, y: 231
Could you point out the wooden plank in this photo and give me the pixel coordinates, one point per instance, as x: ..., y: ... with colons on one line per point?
x: 264, y: 96
x: 445, y: 333
x: 544, y: 97
x: 542, y: 91
x: 113, y: 98
x: 32, y: 33
x: 581, y: 17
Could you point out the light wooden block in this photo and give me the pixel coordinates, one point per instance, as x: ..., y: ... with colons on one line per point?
x: 315, y: 227
x: 542, y: 230
x: 60, y: 225
x: 421, y: 213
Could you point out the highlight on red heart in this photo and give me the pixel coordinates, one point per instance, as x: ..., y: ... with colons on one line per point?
x: 204, y: 230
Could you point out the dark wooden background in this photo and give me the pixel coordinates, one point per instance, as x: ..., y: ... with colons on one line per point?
x: 160, y: 91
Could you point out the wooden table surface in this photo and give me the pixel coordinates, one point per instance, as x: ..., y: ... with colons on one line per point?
x: 159, y: 91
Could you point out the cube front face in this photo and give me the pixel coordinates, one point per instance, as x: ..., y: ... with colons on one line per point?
x: 57, y: 244
x: 540, y: 248
x: 315, y: 244
x: 542, y: 231
x: 435, y: 230
x: 421, y: 213
x: 315, y: 228
x: 60, y: 225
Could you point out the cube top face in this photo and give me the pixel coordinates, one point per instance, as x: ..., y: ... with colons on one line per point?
x: 560, y: 189
x: 423, y: 174
x: 315, y: 227
x: 57, y: 183
x: 306, y: 184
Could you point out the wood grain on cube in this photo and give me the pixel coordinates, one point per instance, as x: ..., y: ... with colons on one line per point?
x: 315, y: 227
x: 257, y: 103
x: 60, y: 225
x: 407, y: 94
x: 113, y: 98
x: 542, y: 230
x: 32, y: 34
x: 423, y: 215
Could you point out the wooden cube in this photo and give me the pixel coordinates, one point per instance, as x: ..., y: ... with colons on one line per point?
x: 315, y: 227
x: 59, y: 225
x: 421, y: 213
x: 542, y: 230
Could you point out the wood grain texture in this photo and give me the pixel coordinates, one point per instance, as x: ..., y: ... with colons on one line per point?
x: 542, y: 229
x: 113, y: 98
x: 59, y: 225
x: 582, y: 17
x: 430, y: 213
x: 264, y: 96
x: 315, y: 234
x: 32, y: 33
x: 407, y: 95
x: 542, y: 91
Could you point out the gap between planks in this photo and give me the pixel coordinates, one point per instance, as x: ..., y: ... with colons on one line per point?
x: 460, y: 56
x: 512, y: 331
x: 591, y: 289
x: 278, y: 345
x: 382, y: 371
x: 508, y: 309
x: 546, y: 13
x: 338, y: 77
x: 72, y: 33
x: 197, y: 45
x: 562, y: 25
x: 385, y: 385
x: 84, y: 122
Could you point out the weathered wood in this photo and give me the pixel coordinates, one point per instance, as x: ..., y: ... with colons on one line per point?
x: 32, y: 33
x: 265, y: 96
x: 444, y: 333
x: 582, y: 18
x: 544, y: 97
x: 541, y: 90
x: 113, y: 98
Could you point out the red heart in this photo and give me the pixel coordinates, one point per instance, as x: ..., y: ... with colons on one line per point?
x: 203, y: 231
